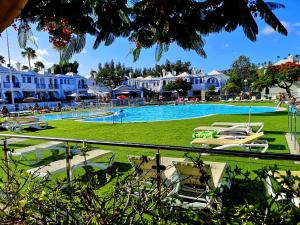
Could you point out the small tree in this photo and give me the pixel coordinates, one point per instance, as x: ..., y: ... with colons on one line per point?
x: 29, y: 53
x: 2, y: 60
x: 180, y: 85
x: 24, y: 67
x: 283, y: 76
x: 38, y: 66
x: 232, y: 88
x: 211, y: 89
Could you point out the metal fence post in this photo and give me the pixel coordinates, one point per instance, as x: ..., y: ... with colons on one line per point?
x: 68, y: 163
x: 158, y: 179
x: 6, y: 161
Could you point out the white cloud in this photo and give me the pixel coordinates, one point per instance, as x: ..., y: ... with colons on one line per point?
x: 42, y: 52
x: 269, y: 30
x: 84, y: 51
x: 297, y: 24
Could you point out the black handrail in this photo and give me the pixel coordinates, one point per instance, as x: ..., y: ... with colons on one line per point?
x: 278, y: 156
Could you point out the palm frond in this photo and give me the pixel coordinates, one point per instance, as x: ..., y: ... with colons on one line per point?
x: 197, y: 45
x: 76, y: 45
x: 25, y: 35
x: 274, y: 5
x: 158, y: 51
x: 109, y: 39
x: 136, y: 54
x: 22, y: 38
x: 269, y: 17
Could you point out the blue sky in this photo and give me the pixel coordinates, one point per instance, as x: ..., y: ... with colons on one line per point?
x: 221, y: 48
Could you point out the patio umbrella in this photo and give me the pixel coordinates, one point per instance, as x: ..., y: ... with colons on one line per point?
x: 30, y: 99
x: 122, y: 97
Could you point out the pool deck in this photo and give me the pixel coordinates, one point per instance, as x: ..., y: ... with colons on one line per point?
x: 293, y: 145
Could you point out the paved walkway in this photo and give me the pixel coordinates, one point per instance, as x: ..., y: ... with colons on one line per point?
x: 12, y: 140
x: 294, y: 147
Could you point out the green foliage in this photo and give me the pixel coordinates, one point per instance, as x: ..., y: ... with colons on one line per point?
x: 38, y: 66
x: 26, y: 199
x: 29, y: 53
x: 283, y: 76
x: 24, y: 67
x: 65, y: 67
x: 232, y: 88
x: 2, y: 60
x: 241, y: 69
x: 211, y: 88
x: 180, y: 85
x: 75, y: 45
x: 111, y: 74
x: 150, y: 23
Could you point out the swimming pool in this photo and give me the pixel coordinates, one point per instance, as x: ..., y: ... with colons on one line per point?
x: 176, y: 112
x: 70, y: 115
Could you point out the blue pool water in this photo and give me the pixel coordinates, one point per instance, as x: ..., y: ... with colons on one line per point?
x: 68, y: 115
x: 176, y: 112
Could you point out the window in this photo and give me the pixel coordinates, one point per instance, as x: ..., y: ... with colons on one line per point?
x: 61, y: 81
x: 29, y: 79
x: 35, y: 80
x: 23, y: 80
x: 65, y: 81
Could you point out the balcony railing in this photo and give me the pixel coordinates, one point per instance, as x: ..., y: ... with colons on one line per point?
x: 53, y: 86
x: 7, y: 85
x: 82, y: 86
x: 41, y: 86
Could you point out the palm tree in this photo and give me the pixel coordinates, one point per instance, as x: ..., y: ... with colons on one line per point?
x: 24, y: 67
x: 18, y: 65
x: 2, y: 60
x: 38, y: 66
x: 30, y: 54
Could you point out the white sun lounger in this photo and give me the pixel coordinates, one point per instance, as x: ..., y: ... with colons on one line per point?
x: 190, y: 191
x: 244, y: 142
x: 37, y: 149
x: 18, y: 123
x: 226, y: 130
x: 282, y: 196
x: 76, y: 161
x: 147, y: 169
x: 259, y: 125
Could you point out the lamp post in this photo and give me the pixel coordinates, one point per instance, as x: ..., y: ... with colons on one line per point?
x: 10, y: 73
x: 245, y: 82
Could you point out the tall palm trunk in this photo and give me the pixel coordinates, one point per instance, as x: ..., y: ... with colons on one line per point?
x: 29, y: 63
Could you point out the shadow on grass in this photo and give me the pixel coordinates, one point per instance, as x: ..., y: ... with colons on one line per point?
x: 269, y: 139
x: 245, y: 192
x: 277, y: 147
x: 31, y: 129
x: 274, y: 132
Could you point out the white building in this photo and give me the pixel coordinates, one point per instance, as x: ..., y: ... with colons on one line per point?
x: 200, y: 81
x: 41, y: 85
x: 275, y: 91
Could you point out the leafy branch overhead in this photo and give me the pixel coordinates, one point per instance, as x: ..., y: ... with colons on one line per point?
x: 149, y: 23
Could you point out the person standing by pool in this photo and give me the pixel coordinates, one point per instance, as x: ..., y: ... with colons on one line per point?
x: 5, y: 111
x: 281, y: 99
x: 241, y: 95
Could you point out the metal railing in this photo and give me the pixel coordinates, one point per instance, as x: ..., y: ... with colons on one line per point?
x: 294, y: 123
x: 157, y: 148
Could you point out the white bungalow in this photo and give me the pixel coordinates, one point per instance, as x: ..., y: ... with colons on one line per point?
x: 200, y: 81
x: 41, y: 85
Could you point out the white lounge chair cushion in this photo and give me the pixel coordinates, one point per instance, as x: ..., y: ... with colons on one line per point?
x: 76, y: 161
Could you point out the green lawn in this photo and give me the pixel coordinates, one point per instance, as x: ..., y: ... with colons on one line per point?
x: 171, y: 133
